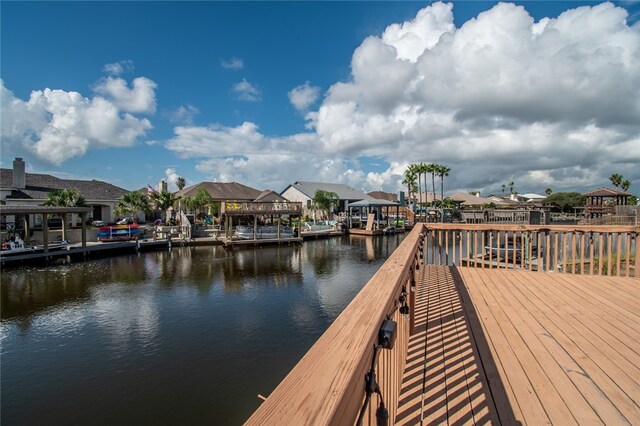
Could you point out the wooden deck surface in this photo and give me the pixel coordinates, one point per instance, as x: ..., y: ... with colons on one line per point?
x: 498, y: 346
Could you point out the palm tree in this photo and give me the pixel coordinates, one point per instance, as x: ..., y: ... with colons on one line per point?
x: 201, y: 199
x: 432, y: 168
x: 180, y: 183
x: 616, y: 179
x: 162, y: 201
x: 325, y: 200
x: 548, y: 191
x: 65, y: 198
x: 133, y: 203
x: 511, y: 185
x: 410, y: 181
x: 625, y: 185
x: 502, y: 187
x: 442, y: 171
x: 419, y: 169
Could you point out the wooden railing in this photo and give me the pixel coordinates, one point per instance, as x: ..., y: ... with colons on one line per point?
x: 592, y: 250
x: 328, y: 385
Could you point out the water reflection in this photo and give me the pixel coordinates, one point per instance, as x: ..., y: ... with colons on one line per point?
x: 156, y: 337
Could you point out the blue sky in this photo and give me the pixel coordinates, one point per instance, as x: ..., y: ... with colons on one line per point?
x: 217, y: 84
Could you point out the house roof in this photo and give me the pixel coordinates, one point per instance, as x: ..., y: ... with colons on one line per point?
x: 470, y: 200
x: 381, y: 195
x: 534, y: 196
x: 269, y: 195
x: 38, y: 186
x: 605, y: 192
x: 344, y: 192
x: 221, y: 191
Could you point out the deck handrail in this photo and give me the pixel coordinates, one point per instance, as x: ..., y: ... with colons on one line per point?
x: 327, y: 385
x: 583, y: 249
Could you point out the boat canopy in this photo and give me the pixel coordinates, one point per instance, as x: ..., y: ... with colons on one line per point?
x: 374, y: 203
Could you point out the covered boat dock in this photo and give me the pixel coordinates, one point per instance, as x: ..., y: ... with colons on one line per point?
x: 372, y: 221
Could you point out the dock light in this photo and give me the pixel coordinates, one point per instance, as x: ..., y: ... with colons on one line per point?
x: 387, y: 334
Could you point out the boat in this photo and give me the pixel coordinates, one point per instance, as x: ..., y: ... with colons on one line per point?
x: 118, y: 232
x: 264, y: 232
x: 504, y: 250
x: 319, y: 226
x: 15, y: 246
x: 389, y: 230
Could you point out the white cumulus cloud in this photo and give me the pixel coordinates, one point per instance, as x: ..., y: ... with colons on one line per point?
x: 553, y: 102
x: 57, y: 125
x: 232, y: 64
x: 139, y: 98
x: 246, y: 91
x: 303, y: 96
x: 118, y: 68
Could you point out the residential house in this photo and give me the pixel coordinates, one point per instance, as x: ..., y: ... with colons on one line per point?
x: 304, y: 192
x: 18, y: 188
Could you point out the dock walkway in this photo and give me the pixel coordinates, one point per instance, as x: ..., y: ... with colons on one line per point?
x: 506, y: 347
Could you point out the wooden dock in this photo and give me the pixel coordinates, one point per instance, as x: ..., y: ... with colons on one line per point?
x: 504, y: 347
x: 75, y: 251
x: 232, y: 242
x: 552, y: 343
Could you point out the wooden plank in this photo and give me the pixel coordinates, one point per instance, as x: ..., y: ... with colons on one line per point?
x: 491, y: 250
x: 601, y: 243
x: 618, y: 254
x: 569, y: 333
x: 520, y: 390
x: 609, y: 254
x: 546, y: 352
x: 555, y: 251
x: 628, y: 255
x: 582, y: 239
x: 571, y: 362
x: 547, y: 256
x: 532, y: 364
x: 591, y: 253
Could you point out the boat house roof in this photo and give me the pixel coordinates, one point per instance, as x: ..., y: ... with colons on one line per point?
x: 605, y: 192
x: 374, y: 203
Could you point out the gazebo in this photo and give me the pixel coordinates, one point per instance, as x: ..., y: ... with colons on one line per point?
x: 375, y: 207
x: 603, y: 201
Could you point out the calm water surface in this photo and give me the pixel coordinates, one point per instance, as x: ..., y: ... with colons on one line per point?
x: 189, y: 336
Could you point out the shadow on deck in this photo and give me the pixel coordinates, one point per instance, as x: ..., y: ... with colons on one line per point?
x: 448, y: 366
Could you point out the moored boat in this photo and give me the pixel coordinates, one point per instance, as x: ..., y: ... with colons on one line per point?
x: 118, y: 232
x: 263, y: 232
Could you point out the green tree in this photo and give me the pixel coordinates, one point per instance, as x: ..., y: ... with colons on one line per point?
x: 410, y: 181
x: 325, y: 200
x: 432, y: 168
x: 548, y: 191
x: 180, y: 183
x: 133, y: 203
x: 566, y: 201
x: 162, y: 201
x: 442, y: 171
x: 200, y: 200
x: 616, y: 179
x: 65, y: 198
x: 625, y: 185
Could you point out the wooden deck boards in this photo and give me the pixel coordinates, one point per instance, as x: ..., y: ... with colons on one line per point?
x: 501, y: 346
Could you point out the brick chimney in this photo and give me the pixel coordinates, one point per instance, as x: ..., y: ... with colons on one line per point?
x: 19, y: 179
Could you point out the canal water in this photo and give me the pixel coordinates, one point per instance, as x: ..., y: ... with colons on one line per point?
x: 187, y: 336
